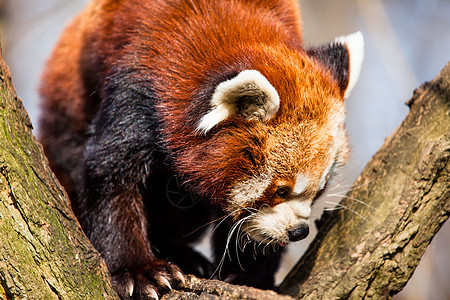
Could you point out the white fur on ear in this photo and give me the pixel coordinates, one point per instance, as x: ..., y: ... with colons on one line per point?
x: 261, y: 99
x: 355, y: 45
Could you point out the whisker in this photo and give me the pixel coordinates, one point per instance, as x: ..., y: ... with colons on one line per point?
x: 357, y: 200
x: 352, y: 210
x: 204, y: 225
x: 226, y: 216
x: 235, y: 226
x: 237, y: 252
x: 351, y: 187
x: 333, y: 208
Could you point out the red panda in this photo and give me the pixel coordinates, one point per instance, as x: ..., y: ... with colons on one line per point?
x: 219, y: 95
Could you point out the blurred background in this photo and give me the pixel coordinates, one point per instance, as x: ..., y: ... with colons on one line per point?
x: 407, y: 43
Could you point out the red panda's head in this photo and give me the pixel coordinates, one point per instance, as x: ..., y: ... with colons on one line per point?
x: 273, y: 137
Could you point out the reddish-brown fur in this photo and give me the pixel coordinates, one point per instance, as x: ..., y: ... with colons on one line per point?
x: 183, y: 62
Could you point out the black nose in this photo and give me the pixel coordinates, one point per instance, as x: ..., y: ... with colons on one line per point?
x: 298, y: 233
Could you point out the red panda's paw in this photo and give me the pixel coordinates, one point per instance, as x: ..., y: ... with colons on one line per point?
x: 147, y: 282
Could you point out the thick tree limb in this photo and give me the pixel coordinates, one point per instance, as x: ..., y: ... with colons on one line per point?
x: 196, y: 288
x: 395, y: 207
x: 43, y: 252
x: 45, y: 255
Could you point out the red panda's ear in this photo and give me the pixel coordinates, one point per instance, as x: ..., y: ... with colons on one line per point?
x: 343, y: 58
x: 249, y: 95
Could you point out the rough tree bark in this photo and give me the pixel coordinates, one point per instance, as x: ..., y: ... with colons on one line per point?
x: 43, y: 252
x: 45, y: 255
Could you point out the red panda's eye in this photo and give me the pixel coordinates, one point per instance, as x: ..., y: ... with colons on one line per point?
x: 282, y: 192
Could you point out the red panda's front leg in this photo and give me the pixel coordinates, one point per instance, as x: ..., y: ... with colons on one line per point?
x: 118, y: 158
x: 117, y: 227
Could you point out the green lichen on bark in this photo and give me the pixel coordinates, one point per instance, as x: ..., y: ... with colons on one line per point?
x: 402, y: 198
x: 43, y: 252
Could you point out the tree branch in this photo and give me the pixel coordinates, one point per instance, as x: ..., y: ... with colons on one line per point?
x: 43, y: 252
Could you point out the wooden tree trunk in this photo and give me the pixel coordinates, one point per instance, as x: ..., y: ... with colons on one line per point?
x: 45, y: 255
x: 43, y: 252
